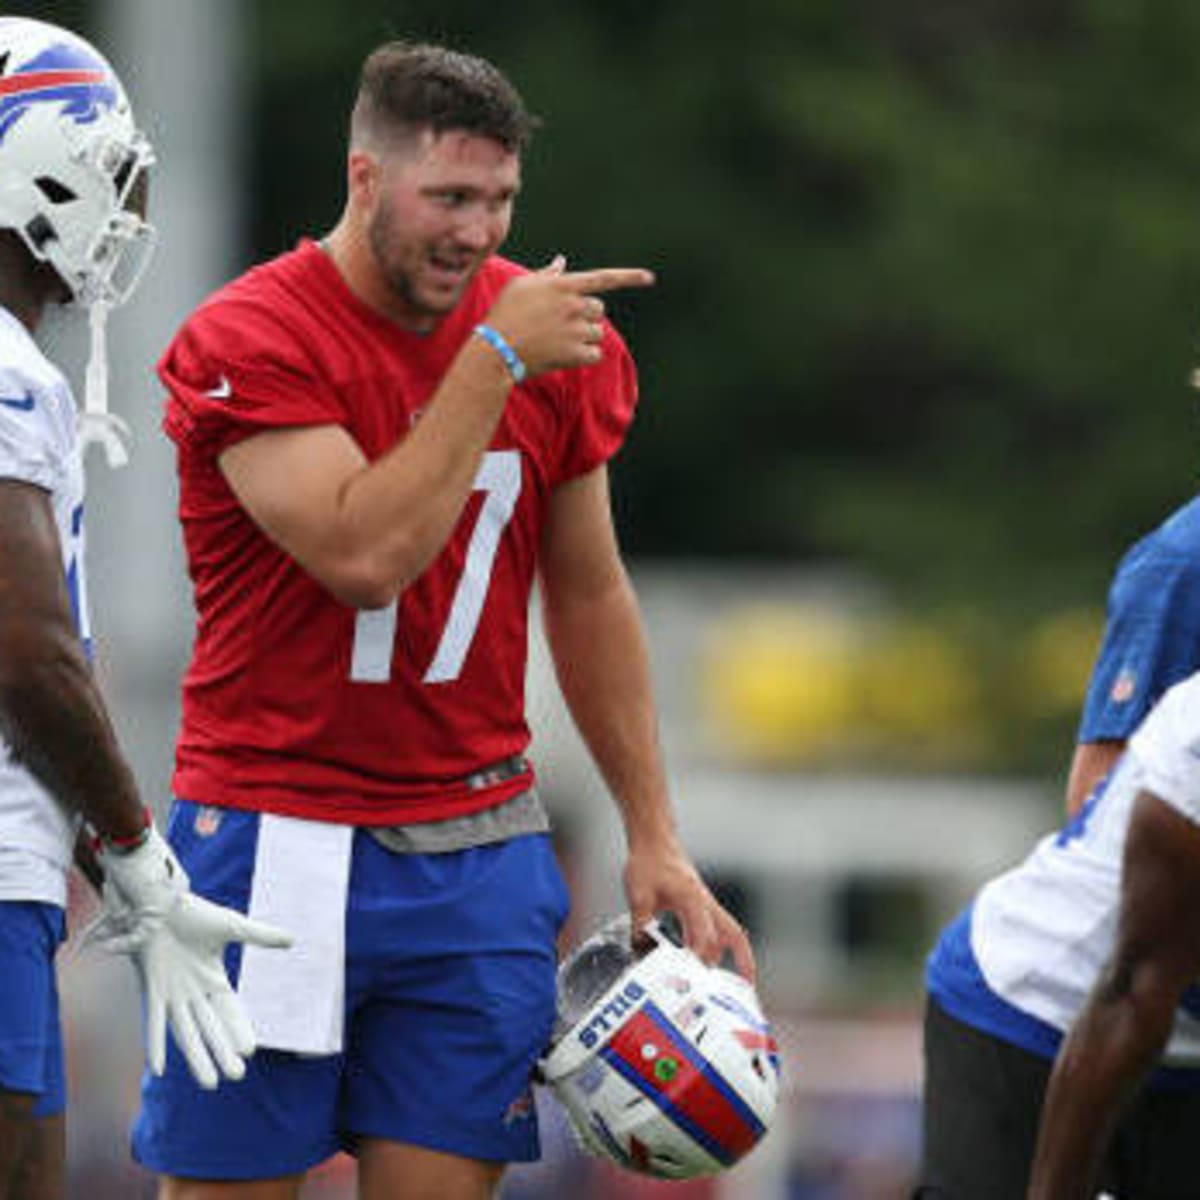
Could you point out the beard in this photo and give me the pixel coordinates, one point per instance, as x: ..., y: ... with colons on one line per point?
x: 384, y: 236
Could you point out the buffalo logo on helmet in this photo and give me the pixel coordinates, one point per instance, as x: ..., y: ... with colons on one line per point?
x: 63, y: 73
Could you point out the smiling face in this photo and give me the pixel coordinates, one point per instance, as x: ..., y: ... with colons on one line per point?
x: 433, y: 211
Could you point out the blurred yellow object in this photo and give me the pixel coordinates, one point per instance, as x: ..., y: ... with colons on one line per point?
x: 799, y: 686
x: 920, y: 691
x: 779, y: 685
x: 1057, y: 661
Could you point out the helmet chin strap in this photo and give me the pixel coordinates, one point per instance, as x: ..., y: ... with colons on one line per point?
x: 96, y: 423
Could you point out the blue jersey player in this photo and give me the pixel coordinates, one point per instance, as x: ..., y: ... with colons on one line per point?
x: 73, y: 172
x: 1151, y: 641
x: 1008, y: 978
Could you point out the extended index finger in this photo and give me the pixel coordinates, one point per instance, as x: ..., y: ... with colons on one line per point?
x: 607, y: 279
x: 227, y: 925
x: 259, y: 933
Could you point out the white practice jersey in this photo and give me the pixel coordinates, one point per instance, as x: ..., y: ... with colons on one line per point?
x: 39, y: 445
x: 1023, y: 961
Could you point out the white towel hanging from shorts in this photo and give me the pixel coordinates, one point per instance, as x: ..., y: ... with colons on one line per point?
x: 294, y: 997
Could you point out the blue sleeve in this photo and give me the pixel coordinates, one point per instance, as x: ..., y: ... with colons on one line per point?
x: 1151, y: 641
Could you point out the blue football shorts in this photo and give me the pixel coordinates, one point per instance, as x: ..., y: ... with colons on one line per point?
x: 449, y: 1000
x: 31, y: 1046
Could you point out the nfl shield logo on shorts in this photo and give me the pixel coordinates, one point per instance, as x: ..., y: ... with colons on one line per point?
x: 208, y: 821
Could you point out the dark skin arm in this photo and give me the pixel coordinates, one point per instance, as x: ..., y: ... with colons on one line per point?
x: 51, y: 711
x: 1121, y: 1032
x: 86, y: 862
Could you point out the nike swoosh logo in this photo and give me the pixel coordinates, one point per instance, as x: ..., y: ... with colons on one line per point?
x: 222, y: 390
x: 24, y: 403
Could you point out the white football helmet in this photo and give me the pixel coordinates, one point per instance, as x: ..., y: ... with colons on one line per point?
x: 71, y: 162
x: 663, y: 1064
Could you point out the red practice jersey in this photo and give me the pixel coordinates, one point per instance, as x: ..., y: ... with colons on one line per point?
x: 294, y: 702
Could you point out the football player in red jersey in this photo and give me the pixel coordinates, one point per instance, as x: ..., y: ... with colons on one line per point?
x: 383, y: 438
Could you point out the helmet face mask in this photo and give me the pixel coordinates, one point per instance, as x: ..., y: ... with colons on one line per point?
x: 591, y: 971
x: 664, y: 1065
x: 73, y: 166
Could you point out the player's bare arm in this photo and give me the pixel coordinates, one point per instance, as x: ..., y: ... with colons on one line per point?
x: 595, y: 632
x: 1122, y: 1030
x: 50, y: 707
x: 365, y: 530
x: 1091, y: 762
x: 54, y: 719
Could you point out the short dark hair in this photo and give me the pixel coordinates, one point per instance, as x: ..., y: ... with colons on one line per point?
x: 406, y: 87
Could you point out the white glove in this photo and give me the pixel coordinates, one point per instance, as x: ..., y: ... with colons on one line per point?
x: 177, y: 940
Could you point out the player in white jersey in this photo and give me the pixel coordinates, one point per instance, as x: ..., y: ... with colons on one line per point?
x: 73, y: 171
x: 1101, y: 919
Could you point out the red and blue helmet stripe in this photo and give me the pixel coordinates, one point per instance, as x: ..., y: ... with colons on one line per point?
x: 753, y: 1039
x: 63, y: 73
x: 758, y: 1036
x: 651, y: 1054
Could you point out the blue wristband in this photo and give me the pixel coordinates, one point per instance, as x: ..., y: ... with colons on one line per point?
x: 512, y: 360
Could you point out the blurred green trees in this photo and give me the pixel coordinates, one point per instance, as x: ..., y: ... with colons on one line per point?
x: 929, y: 278
x: 929, y: 273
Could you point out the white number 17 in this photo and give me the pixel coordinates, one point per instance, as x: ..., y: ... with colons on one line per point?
x: 375, y: 629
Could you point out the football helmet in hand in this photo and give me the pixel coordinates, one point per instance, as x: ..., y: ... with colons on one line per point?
x: 664, y: 1065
